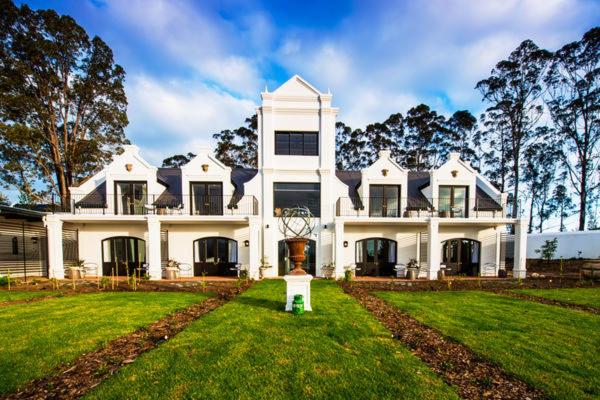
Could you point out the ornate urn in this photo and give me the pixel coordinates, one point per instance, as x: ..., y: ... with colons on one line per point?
x: 297, y: 225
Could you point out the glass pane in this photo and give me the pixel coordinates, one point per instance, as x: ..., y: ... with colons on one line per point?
x: 141, y: 252
x: 359, y: 252
x: 232, y: 256
x: 381, y: 250
x: 296, y: 144
x: 222, y: 250
x: 282, y: 143
x: 391, y: 194
x: 211, y: 248
x: 311, y: 144
x: 286, y: 195
x: 392, y: 252
x: 460, y: 201
x: 106, y: 252
x: 370, y: 251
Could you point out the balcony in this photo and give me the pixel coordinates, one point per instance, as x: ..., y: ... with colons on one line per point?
x: 164, y: 204
x: 378, y: 207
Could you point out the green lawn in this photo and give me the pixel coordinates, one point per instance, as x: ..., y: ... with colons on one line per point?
x: 251, y: 349
x: 582, y: 296
x: 36, y: 337
x: 552, y: 348
x: 14, y: 295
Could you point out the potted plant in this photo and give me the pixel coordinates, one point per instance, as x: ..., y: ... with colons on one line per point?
x: 412, y: 269
x: 172, y: 270
x: 264, y: 265
x: 328, y: 270
x: 77, y: 271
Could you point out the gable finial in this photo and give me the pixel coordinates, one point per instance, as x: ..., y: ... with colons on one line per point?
x: 266, y: 89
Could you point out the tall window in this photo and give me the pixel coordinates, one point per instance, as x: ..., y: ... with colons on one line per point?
x: 297, y: 143
x: 207, y: 198
x: 384, y: 200
x: 130, y: 198
x: 454, y: 200
x: 287, y: 195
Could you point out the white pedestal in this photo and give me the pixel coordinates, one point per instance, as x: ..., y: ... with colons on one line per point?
x: 298, y: 284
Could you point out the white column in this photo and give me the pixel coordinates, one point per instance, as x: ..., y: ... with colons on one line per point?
x: 254, y: 250
x: 153, y: 248
x: 498, y: 241
x: 519, y: 268
x: 338, y: 250
x: 54, y: 227
x: 433, y: 248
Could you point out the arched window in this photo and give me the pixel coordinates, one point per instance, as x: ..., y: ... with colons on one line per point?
x: 309, y: 264
x: 123, y: 255
x: 375, y: 257
x: 215, y: 256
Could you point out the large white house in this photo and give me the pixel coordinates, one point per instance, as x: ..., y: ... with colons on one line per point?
x: 212, y: 217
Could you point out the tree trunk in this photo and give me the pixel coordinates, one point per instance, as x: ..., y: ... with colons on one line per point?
x: 583, y: 195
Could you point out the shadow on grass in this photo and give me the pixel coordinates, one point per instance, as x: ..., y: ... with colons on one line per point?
x: 274, y: 305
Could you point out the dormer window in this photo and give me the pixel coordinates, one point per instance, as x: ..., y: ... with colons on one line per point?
x: 296, y: 143
x: 454, y: 201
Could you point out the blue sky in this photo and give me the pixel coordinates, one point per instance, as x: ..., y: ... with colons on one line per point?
x: 196, y: 67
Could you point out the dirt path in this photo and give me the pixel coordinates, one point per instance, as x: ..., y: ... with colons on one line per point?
x: 473, y: 377
x: 552, y: 302
x: 88, y: 371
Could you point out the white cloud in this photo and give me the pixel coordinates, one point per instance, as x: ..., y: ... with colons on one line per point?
x: 179, y: 116
x: 196, y: 38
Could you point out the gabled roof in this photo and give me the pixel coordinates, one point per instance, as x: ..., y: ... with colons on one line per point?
x: 295, y: 82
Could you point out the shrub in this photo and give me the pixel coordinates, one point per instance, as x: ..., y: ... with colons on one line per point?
x: 548, y: 249
x: 5, y: 280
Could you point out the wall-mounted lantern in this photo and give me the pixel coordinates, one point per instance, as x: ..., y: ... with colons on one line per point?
x: 246, y: 243
x: 128, y: 167
x: 205, y: 167
x: 345, y: 243
x: 325, y: 226
x: 384, y: 172
x: 454, y: 173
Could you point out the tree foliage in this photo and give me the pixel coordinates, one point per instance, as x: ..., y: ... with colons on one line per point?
x: 62, y: 101
x: 178, y: 160
x: 238, y: 147
x: 574, y: 103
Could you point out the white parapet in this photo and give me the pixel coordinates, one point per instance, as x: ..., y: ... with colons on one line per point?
x: 298, y: 284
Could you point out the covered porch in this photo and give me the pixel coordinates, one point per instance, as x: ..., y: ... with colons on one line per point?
x: 460, y: 248
x: 200, y: 246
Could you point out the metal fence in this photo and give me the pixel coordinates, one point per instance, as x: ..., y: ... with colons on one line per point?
x: 23, y: 249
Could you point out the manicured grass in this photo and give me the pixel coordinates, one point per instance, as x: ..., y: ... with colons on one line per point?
x: 14, y: 295
x: 581, y: 296
x: 251, y: 349
x: 37, y: 337
x: 553, y: 348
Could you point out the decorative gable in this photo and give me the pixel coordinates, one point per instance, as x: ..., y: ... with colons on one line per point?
x: 205, y: 167
x: 296, y: 87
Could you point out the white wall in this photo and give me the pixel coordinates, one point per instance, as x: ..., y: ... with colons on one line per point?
x: 569, y: 244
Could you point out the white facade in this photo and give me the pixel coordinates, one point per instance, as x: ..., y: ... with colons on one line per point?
x: 371, y: 220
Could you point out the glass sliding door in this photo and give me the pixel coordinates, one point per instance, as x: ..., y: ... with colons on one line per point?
x: 453, y: 201
x: 461, y: 257
x: 131, y: 198
x: 123, y: 256
x: 215, y: 256
x: 207, y: 198
x: 375, y: 257
x: 384, y: 200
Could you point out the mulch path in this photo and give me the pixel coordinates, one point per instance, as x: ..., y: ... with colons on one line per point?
x: 543, y: 300
x: 473, y: 377
x: 77, y: 378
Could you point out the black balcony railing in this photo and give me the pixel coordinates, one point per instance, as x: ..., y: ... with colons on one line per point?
x: 379, y: 207
x: 164, y: 204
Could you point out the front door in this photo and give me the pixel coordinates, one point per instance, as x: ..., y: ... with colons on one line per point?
x: 375, y: 257
x: 461, y: 257
x: 215, y: 256
x: 207, y: 198
x: 123, y: 256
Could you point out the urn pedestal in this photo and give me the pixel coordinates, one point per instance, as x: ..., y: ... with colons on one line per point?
x: 298, y: 284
